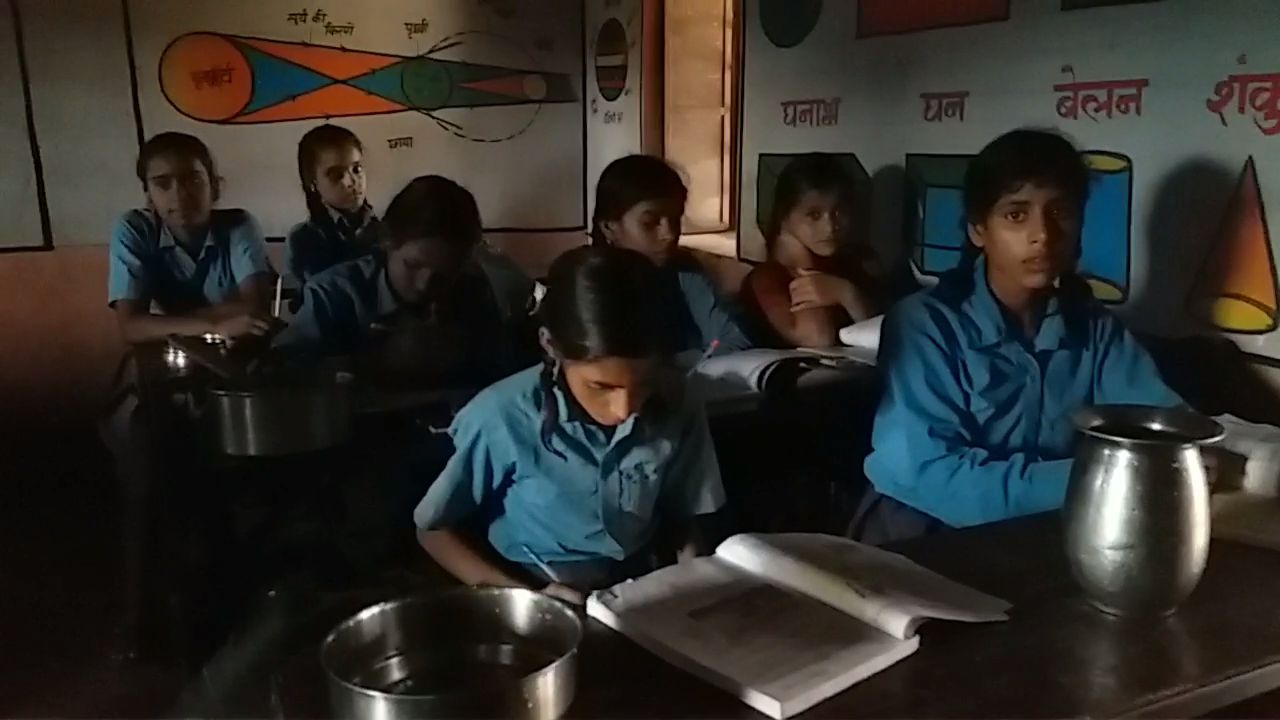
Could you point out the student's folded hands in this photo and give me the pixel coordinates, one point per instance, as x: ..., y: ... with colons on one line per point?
x: 813, y: 289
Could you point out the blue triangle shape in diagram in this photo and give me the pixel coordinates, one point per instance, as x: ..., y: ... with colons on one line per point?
x: 276, y: 80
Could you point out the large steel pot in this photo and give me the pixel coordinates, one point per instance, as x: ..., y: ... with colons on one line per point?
x: 473, y: 652
x: 1137, y: 508
x: 275, y: 416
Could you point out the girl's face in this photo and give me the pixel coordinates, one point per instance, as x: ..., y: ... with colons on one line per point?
x: 423, y: 269
x: 339, y: 177
x: 1029, y: 237
x: 611, y: 389
x: 180, y: 190
x: 817, y: 221
x: 650, y: 227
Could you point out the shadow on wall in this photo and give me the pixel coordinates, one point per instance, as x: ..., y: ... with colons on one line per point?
x: 1184, y: 220
x: 1209, y: 370
x: 887, y: 229
x: 890, y: 228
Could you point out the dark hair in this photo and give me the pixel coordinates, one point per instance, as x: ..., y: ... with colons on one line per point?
x: 1041, y: 157
x: 433, y: 206
x: 176, y: 144
x: 629, y: 181
x: 312, y: 143
x: 599, y: 303
x: 1018, y: 157
x: 820, y: 172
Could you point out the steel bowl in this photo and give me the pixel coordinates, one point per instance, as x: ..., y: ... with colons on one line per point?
x: 265, y: 417
x: 473, y: 652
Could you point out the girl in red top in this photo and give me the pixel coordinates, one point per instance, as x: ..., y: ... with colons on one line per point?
x: 818, y: 279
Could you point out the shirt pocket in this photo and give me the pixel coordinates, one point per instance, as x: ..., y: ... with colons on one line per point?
x: 638, y: 489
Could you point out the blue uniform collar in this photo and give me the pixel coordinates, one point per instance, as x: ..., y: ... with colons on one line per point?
x: 167, y: 240
x: 992, y: 324
x: 351, y: 224
x: 568, y: 411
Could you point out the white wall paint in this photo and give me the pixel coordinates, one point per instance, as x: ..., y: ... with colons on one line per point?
x: 83, y: 108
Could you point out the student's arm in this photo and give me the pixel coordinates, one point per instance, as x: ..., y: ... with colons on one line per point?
x: 716, y: 319
x: 1124, y: 372
x: 693, y: 487
x: 326, y: 324
x: 138, y: 324
x: 800, y: 328
x: 472, y: 475
x: 814, y: 290
x: 456, y: 555
x: 130, y: 292
x: 255, y: 279
x: 923, y: 450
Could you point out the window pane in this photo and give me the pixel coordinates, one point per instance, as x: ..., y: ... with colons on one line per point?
x: 699, y: 126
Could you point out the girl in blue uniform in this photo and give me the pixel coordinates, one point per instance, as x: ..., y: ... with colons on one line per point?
x: 563, y: 474
x: 639, y: 202
x: 205, y: 270
x: 177, y: 266
x: 429, y: 304
x: 340, y: 224
x: 984, y: 371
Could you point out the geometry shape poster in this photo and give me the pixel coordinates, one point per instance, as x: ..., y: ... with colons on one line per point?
x: 1236, y: 290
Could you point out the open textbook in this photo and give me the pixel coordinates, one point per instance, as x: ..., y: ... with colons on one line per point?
x: 785, y: 621
x: 749, y: 371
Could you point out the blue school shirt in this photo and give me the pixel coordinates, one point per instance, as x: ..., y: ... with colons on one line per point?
x: 696, y: 313
x: 313, y: 246
x: 147, y: 263
x: 485, y: 311
x: 599, y: 495
x: 975, y: 424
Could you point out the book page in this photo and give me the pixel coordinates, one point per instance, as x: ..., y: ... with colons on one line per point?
x: 748, y: 371
x: 881, y: 588
x: 778, y: 650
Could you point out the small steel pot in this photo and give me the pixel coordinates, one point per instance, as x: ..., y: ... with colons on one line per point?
x: 1137, y: 508
x: 473, y: 652
x: 271, y: 417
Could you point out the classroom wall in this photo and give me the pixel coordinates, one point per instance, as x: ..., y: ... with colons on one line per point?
x: 1176, y: 236
x: 88, y: 79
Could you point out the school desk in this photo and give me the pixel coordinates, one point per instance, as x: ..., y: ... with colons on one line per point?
x: 1055, y: 657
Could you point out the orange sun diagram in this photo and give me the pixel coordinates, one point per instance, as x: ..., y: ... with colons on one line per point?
x: 233, y: 79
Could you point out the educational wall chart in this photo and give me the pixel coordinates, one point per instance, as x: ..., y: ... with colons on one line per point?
x: 488, y: 94
x: 1181, y: 145
x: 21, y: 192
x: 614, y: 78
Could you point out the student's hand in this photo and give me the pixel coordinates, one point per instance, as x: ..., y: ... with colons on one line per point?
x: 815, y: 289
x: 242, y: 325
x: 565, y: 593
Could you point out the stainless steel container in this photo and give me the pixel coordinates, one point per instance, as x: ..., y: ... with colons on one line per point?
x: 473, y: 652
x: 260, y: 417
x: 1137, y: 508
